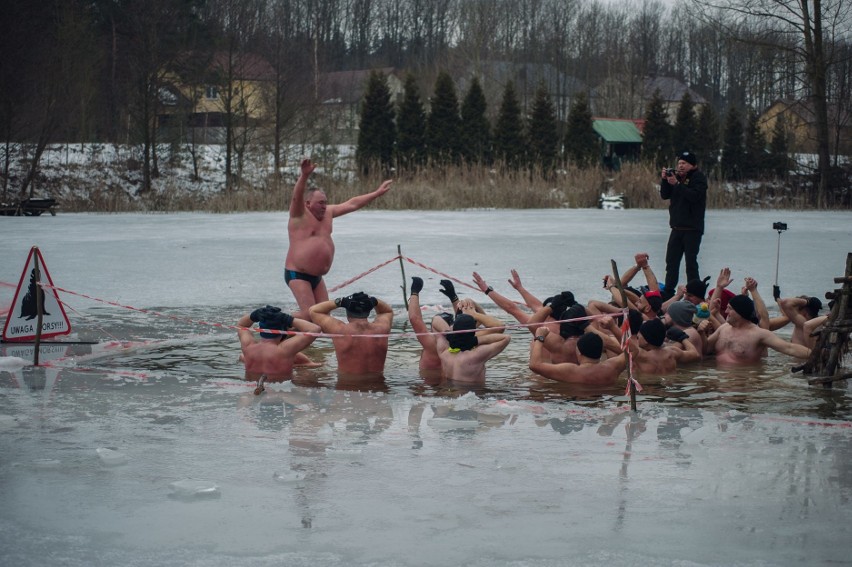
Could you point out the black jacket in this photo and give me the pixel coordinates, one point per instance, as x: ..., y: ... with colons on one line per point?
x: 688, y: 201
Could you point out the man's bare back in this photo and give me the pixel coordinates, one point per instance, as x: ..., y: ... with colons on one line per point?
x: 273, y: 356
x: 357, y: 355
x: 591, y: 369
x: 466, y: 364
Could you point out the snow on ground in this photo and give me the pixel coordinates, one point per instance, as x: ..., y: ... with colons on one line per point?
x: 108, y: 172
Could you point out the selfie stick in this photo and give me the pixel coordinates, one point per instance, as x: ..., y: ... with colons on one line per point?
x: 780, y: 227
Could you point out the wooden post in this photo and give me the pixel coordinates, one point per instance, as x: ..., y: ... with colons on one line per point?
x: 404, y: 284
x: 39, y: 305
x: 833, y: 337
x: 630, y: 383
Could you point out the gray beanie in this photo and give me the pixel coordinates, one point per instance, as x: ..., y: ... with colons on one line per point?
x: 681, y: 313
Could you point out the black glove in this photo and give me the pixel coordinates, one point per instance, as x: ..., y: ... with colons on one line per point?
x: 416, y: 285
x: 676, y: 335
x: 448, y: 289
x: 373, y: 301
x: 549, y: 300
x: 288, y: 320
x: 776, y: 292
x: 359, y: 296
x: 343, y: 301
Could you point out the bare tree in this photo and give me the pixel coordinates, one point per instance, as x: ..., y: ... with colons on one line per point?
x: 808, y: 27
x: 51, y: 85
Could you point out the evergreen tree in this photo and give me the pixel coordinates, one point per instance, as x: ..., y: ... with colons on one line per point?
x: 733, y: 151
x: 543, y: 135
x: 778, y: 150
x: 684, y: 132
x: 582, y: 144
x: 377, y: 132
x: 443, y: 124
x: 656, y: 136
x: 706, y: 145
x: 411, y: 127
x: 509, y: 140
x: 475, y: 130
x: 756, y: 161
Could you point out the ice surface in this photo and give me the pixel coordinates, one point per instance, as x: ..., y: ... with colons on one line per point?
x: 716, y: 468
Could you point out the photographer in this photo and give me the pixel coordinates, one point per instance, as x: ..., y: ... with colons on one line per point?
x: 686, y: 190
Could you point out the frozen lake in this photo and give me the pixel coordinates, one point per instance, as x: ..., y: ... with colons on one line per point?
x: 153, y: 452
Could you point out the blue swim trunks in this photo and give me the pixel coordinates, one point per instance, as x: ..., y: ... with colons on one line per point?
x: 294, y: 275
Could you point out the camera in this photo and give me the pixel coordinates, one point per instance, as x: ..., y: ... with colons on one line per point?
x: 669, y: 172
x: 779, y: 226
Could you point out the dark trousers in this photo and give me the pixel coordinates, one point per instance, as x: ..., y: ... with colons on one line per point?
x: 682, y: 243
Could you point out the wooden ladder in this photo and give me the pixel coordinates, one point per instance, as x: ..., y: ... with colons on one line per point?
x: 826, y: 358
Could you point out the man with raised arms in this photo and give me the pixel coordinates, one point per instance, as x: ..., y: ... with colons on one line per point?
x: 430, y: 362
x: 273, y: 356
x: 653, y: 357
x: 590, y: 368
x: 311, y: 250
x: 358, y: 353
x: 740, y: 341
x: 803, y: 311
x: 464, y: 352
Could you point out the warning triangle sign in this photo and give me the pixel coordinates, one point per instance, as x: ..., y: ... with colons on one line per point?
x: 22, y: 319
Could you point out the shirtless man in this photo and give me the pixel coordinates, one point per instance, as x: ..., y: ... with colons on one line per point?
x: 803, y: 312
x: 653, y: 358
x: 357, y: 355
x: 309, y: 230
x: 561, y: 346
x: 740, y: 341
x: 430, y: 362
x: 589, y: 369
x: 680, y: 315
x: 464, y: 354
x: 272, y: 357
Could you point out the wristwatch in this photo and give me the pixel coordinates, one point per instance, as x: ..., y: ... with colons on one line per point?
x: 539, y: 338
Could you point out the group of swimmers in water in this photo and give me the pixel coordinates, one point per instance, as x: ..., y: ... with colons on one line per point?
x: 571, y: 341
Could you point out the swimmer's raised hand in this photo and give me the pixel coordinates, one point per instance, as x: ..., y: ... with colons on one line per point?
x: 307, y: 166
x: 515, y: 282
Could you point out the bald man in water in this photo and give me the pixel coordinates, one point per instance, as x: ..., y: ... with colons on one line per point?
x: 309, y: 229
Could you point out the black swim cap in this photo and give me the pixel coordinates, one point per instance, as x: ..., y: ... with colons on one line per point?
x: 359, y: 305
x: 463, y: 341
x: 744, y: 307
x: 590, y: 345
x: 654, y: 332
x: 276, y: 321
x: 573, y: 328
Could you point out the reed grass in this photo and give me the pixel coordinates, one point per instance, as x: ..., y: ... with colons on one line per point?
x: 441, y: 188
